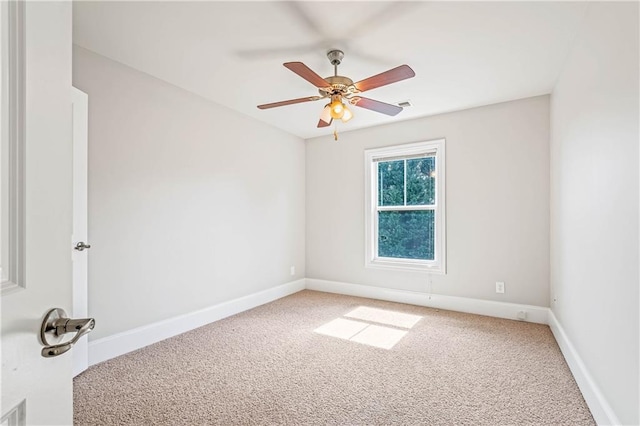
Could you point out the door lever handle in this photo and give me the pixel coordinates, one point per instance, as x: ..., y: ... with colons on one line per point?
x: 55, y: 324
x: 82, y: 245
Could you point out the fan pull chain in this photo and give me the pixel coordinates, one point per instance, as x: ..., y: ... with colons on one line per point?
x: 335, y: 132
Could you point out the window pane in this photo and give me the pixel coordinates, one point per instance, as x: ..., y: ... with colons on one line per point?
x: 391, y: 183
x: 421, y: 181
x: 406, y: 234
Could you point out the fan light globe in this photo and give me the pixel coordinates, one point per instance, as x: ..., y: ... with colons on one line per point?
x: 337, y: 109
x: 348, y: 115
x: 326, y: 114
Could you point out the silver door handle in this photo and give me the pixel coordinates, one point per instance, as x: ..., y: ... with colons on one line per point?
x: 55, y: 324
x: 81, y: 246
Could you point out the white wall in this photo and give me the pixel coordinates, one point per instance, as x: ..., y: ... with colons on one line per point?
x: 190, y: 203
x: 497, y: 203
x: 594, y: 202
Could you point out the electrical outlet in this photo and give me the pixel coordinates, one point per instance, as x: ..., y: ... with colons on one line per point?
x: 499, y: 287
x: 522, y: 315
x: 293, y: 270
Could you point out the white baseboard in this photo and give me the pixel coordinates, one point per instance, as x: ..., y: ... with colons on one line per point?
x: 597, y: 403
x: 600, y: 408
x: 119, y: 344
x: 535, y: 314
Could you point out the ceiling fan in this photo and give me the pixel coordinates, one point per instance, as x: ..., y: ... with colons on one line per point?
x: 342, y: 91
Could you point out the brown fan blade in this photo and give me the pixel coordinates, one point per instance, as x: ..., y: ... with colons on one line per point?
x: 307, y: 73
x: 305, y: 18
x: 393, y: 75
x: 322, y: 123
x: 290, y: 102
x: 378, y: 106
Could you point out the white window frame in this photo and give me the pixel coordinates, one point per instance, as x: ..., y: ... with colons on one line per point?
x: 371, y: 158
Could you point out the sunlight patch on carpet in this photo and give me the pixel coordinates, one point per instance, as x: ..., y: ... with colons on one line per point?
x: 382, y: 316
x: 375, y: 335
x: 341, y: 328
x: 378, y: 336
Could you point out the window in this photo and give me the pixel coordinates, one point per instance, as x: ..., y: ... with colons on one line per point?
x: 405, y: 206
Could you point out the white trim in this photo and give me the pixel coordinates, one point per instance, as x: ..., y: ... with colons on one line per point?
x: 119, y: 344
x: 405, y: 208
x: 80, y: 292
x: 13, y: 117
x: 598, y: 404
x: 537, y: 314
x: 435, y: 148
x: 17, y: 416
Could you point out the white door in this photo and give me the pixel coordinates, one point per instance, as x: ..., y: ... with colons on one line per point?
x: 80, y: 105
x: 36, y: 207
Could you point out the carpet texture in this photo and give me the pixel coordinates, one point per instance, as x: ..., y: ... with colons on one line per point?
x: 268, y: 366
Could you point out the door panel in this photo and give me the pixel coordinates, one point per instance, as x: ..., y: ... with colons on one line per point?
x: 44, y: 383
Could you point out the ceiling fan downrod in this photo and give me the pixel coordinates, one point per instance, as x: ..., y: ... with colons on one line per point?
x: 335, y: 57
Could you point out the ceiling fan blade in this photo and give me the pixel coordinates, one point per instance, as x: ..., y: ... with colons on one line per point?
x: 290, y: 102
x: 386, y: 14
x: 322, y: 123
x: 325, y: 117
x: 307, y: 73
x: 298, y: 10
x: 278, y: 52
x: 393, y: 75
x: 378, y: 106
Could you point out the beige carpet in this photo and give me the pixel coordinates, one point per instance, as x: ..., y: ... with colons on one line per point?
x: 269, y: 366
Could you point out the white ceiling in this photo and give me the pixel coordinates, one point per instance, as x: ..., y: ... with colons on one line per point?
x: 464, y: 54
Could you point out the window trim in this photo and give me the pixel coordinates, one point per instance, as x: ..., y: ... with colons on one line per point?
x: 371, y: 157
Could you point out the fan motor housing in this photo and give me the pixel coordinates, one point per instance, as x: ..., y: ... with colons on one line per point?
x: 339, y: 85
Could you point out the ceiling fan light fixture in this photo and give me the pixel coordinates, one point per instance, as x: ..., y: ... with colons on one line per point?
x: 343, y: 92
x: 337, y: 108
x: 348, y: 115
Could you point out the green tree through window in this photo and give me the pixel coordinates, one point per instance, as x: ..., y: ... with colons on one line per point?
x: 406, y: 208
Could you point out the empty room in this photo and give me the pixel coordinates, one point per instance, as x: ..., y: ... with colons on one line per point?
x: 320, y: 213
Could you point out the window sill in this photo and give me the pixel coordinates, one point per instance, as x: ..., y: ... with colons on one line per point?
x: 398, y: 265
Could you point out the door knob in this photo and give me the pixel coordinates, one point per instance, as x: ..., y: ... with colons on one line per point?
x: 81, y: 246
x: 55, y: 324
